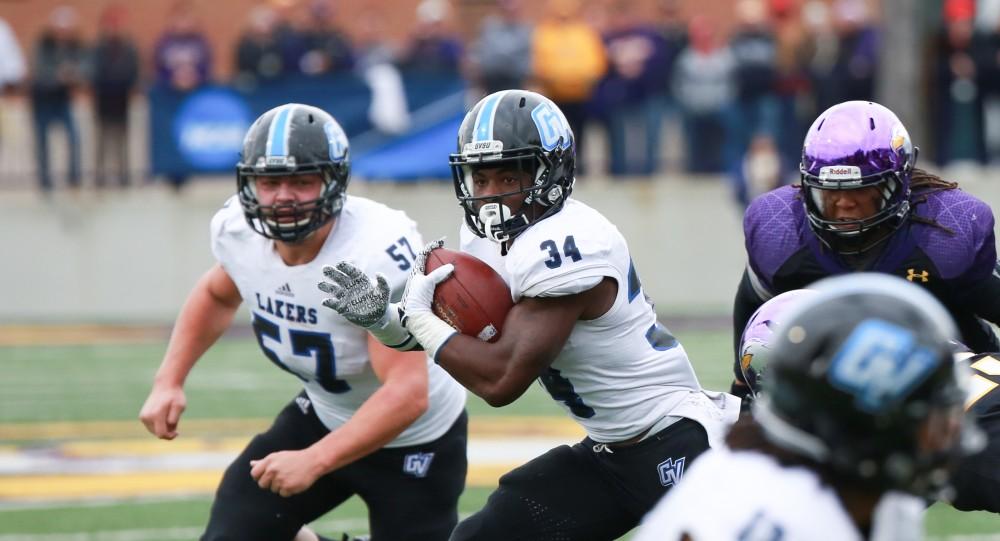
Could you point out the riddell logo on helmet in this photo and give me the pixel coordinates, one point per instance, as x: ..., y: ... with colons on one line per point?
x: 840, y: 172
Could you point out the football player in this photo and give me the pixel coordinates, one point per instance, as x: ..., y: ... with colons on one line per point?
x: 976, y: 482
x: 580, y: 325
x: 386, y: 425
x: 863, y: 206
x: 861, y: 397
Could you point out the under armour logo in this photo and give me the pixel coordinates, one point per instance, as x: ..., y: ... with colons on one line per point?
x: 303, y: 403
x: 671, y: 471
x: 912, y: 276
x: 417, y: 464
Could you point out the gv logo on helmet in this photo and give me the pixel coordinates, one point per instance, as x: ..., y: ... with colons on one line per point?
x: 336, y: 141
x: 553, y: 129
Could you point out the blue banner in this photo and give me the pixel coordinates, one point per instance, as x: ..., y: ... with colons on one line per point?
x: 202, y: 131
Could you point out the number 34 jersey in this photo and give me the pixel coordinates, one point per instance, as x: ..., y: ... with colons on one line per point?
x: 314, y: 343
x: 622, y: 373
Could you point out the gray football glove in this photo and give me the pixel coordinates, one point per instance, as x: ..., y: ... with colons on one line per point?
x: 354, y: 296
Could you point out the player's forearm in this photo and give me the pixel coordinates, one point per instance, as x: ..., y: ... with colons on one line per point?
x: 484, y: 368
x: 745, y: 304
x: 201, y: 322
x: 383, y: 417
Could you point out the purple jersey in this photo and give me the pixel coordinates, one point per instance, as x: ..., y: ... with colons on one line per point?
x: 954, y: 259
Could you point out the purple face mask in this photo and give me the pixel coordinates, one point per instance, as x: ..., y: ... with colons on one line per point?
x: 755, y: 344
x: 852, y: 145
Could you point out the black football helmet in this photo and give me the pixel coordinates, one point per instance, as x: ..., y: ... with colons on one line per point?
x: 294, y: 139
x: 524, y: 130
x: 861, y: 379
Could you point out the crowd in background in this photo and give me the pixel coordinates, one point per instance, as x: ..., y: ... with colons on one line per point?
x: 741, y: 100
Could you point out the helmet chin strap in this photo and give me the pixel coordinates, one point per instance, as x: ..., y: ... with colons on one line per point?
x: 494, y: 214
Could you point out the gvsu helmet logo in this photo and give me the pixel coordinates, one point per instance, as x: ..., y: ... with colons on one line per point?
x: 209, y: 128
x: 553, y: 129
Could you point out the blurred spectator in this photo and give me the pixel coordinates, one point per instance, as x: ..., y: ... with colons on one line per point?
x: 115, y: 73
x: 432, y: 48
x: 183, y: 58
x: 258, y: 54
x: 818, y: 20
x: 327, y: 49
x: 628, y: 95
x: 959, y: 126
x: 501, y: 57
x: 388, y: 112
x: 853, y: 74
x: 59, y: 69
x: 795, y: 49
x: 705, y: 90
x: 672, y: 27
x: 291, y: 33
x: 568, y: 59
x: 988, y: 66
x: 371, y: 43
x: 755, y: 112
x: 12, y: 68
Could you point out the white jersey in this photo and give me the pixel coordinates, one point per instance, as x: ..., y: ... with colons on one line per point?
x: 622, y: 373
x: 316, y: 344
x: 749, y: 495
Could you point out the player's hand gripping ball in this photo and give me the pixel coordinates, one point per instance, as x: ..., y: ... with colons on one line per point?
x: 474, y: 299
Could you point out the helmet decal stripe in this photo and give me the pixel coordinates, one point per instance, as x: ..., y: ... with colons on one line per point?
x: 487, y: 115
x: 277, y: 136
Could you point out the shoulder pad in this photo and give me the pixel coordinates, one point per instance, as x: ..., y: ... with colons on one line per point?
x: 773, y: 226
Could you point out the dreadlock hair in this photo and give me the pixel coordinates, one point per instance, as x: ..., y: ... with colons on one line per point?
x: 923, y: 184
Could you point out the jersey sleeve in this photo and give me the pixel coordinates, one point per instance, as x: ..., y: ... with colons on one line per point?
x: 983, y: 245
x: 226, y: 226
x: 771, y: 227
x: 561, y: 264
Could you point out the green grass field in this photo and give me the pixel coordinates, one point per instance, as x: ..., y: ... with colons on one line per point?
x: 47, y: 384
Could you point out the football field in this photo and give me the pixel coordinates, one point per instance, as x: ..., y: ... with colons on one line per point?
x: 76, y: 464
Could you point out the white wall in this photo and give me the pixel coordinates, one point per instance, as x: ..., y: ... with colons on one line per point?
x: 131, y: 257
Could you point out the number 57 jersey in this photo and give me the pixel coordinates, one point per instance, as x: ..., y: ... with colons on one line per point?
x: 623, y: 373
x: 313, y: 343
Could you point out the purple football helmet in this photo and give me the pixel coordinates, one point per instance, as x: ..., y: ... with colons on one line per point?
x: 854, y: 145
x: 755, y: 344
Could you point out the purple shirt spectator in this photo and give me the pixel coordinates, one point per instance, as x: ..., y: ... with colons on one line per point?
x: 182, y: 58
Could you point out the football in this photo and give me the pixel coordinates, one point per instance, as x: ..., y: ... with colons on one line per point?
x: 474, y: 299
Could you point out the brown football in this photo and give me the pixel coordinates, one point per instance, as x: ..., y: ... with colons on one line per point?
x: 474, y: 299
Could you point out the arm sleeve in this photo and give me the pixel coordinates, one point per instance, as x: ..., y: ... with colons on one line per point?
x: 746, y: 303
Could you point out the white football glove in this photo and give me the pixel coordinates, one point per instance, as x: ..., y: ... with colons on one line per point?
x: 365, y: 304
x: 418, y: 317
